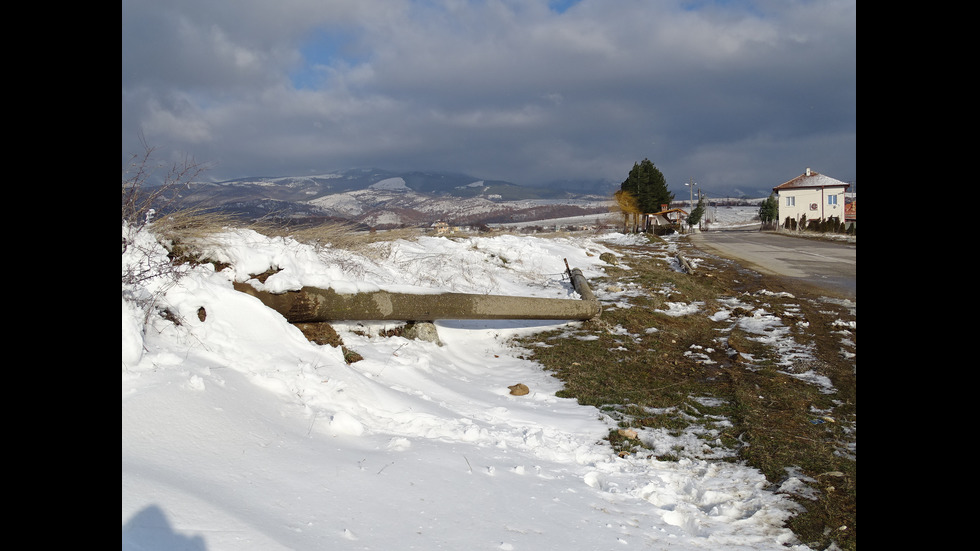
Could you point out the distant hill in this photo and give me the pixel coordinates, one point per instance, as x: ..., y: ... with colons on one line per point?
x: 381, y: 199
x: 299, y: 188
x: 384, y: 199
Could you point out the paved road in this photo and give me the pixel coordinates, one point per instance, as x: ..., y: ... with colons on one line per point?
x: 824, y: 264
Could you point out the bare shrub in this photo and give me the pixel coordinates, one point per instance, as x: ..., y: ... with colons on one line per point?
x: 337, y: 234
x: 141, y: 199
x: 156, y: 230
x: 346, y: 236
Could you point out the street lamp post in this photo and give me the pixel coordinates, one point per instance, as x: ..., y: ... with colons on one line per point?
x: 691, y: 183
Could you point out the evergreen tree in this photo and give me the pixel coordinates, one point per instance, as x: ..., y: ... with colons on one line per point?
x: 695, y: 217
x: 631, y: 184
x: 769, y: 210
x: 647, y: 184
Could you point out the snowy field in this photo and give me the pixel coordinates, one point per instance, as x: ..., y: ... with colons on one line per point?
x: 714, y: 218
x: 240, y: 434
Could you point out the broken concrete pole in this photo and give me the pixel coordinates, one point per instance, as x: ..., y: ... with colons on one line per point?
x: 685, y: 264
x: 311, y: 304
x: 581, y: 285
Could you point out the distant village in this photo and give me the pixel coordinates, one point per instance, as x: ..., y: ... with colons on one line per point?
x: 603, y: 221
x: 673, y: 217
x: 586, y: 223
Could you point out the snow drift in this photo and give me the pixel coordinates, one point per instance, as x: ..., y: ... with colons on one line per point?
x: 239, y: 433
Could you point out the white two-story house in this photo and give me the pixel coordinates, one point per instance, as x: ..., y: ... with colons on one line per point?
x: 817, y: 196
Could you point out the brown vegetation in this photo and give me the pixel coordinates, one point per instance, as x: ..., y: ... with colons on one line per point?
x: 688, y: 373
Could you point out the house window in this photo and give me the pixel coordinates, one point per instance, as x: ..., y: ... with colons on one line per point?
x: 832, y: 200
x: 791, y: 201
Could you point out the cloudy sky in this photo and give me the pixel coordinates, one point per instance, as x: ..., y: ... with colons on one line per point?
x: 734, y: 94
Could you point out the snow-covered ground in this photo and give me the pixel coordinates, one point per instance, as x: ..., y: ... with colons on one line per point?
x: 714, y: 218
x: 240, y: 434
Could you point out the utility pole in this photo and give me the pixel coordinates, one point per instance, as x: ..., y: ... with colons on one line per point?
x: 691, y: 183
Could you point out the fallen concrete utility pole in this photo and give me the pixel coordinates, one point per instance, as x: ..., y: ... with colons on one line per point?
x: 685, y: 264
x: 579, y: 283
x: 311, y: 304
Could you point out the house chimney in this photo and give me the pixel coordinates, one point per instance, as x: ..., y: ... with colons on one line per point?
x: 807, y: 171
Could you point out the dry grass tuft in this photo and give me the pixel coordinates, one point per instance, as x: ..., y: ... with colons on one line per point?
x: 689, y: 372
x: 191, y: 223
x: 342, y: 235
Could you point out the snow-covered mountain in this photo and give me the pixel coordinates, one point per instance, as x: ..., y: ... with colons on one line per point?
x: 396, y: 206
x: 385, y: 199
x: 299, y: 188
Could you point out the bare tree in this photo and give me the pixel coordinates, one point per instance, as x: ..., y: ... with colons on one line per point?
x: 141, y: 201
x: 140, y: 198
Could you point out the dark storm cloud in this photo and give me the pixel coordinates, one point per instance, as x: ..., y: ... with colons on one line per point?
x: 732, y: 94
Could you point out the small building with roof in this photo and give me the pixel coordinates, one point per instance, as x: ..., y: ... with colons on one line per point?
x: 666, y: 219
x: 814, y: 195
